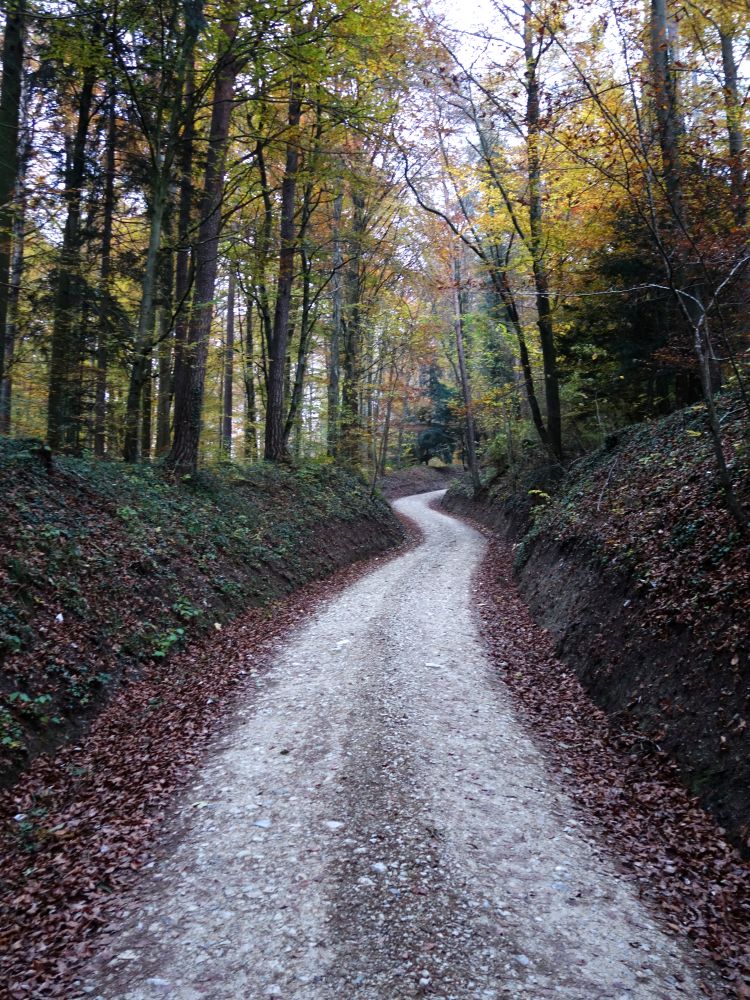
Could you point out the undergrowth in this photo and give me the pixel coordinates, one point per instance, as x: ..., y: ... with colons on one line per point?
x: 104, y: 566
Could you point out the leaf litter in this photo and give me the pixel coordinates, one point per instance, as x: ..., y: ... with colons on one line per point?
x: 81, y: 824
x: 674, y: 851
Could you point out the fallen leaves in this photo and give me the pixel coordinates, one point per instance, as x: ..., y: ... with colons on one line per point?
x: 80, y: 825
x: 675, y: 852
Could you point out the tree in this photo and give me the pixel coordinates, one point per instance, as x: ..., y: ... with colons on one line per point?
x: 64, y: 400
x: 10, y: 112
x: 279, y: 338
x: 163, y: 113
x: 183, y: 457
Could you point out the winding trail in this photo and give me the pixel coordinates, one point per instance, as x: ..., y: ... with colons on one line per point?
x: 378, y: 826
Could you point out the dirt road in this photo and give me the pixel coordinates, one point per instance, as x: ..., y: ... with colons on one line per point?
x: 378, y: 826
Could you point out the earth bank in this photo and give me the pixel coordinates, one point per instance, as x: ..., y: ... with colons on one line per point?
x: 634, y: 566
x: 106, y: 568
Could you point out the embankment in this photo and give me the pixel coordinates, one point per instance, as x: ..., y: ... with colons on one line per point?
x: 642, y: 578
x: 104, y: 568
x: 417, y: 479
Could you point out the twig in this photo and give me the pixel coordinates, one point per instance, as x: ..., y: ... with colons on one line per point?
x: 606, y: 483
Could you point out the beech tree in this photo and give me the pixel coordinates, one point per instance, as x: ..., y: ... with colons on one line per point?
x: 10, y: 115
x: 183, y: 458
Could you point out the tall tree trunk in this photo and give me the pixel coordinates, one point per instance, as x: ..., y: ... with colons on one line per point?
x: 294, y: 416
x: 666, y: 108
x: 334, y: 356
x: 146, y: 428
x: 670, y: 131
x: 14, y: 305
x: 262, y: 254
x: 251, y: 417
x: 65, y: 350
x: 537, y: 241
x: 188, y: 409
x: 350, y: 421
x: 400, y: 439
x: 16, y: 266
x: 10, y: 116
x: 500, y: 284
x: 383, y: 460
x: 226, y: 423
x: 164, y: 398
x: 263, y: 385
x: 144, y: 340
x: 277, y: 352
x: 303, y: 350
x: 105, y: 271
x: 733, y: 109
x: 166, y: 350
x: 183, y: 277
x: 458, y: 325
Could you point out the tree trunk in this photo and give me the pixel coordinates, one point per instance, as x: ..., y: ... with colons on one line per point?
x: 105, y: 271
x: 262, y: 255
x: 334, y: 356
x: 183, y: 277
x: 166, y: 350
x: 16, y: 267
x: 383, y: 460
x: 350, y: 423
x: 499, y: 281
x: 226, y: 422
x: 251, y: 430
x: 10, y: 116
x: 303, y: 350
x: 733, y: 108
x: 14, y: 305
x: 471, y: 447
x: 277, y: 353
x: 666, y: 108
x: 144, y: 344
x: 146, y: 415
x: 294, y: 420
x: 65, y: 352
x: 537, y: 242
x: 188, y: 407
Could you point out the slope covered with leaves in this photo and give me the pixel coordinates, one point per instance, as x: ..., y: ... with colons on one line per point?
x: 106, y: 568
x: 651, y: 505
x: 638, y: 571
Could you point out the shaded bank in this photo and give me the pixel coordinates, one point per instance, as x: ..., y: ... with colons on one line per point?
x: 633, y: 565
x: 106, y: 568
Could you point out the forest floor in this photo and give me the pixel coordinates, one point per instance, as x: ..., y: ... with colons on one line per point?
x: 379, y: 822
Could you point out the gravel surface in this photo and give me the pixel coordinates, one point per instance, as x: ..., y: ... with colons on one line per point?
x: 378, y: 825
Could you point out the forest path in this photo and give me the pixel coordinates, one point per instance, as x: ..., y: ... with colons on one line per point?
x: 378, y: 825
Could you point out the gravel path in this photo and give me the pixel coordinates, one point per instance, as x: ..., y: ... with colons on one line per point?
x: 378, y: 825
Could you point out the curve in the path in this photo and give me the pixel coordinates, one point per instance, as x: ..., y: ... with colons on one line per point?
x: 380, y: 826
